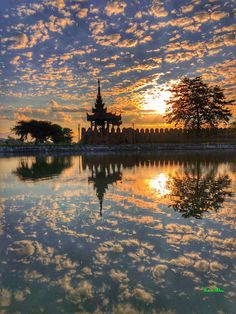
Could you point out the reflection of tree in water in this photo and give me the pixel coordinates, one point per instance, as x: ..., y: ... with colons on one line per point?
x: 199, y: 191
x: 42, y: 168
x: 104, y: 171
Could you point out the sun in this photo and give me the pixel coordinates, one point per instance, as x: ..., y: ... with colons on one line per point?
x: 156, y: 101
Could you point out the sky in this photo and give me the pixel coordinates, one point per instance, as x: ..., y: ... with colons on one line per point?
x: 53, y: 52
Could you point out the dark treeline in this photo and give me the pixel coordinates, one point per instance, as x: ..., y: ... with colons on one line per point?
x: 42, y: 131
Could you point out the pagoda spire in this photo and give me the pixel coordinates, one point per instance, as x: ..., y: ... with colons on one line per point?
x: 100, y: 202
x: 99, y: 105
x: 99, y: 91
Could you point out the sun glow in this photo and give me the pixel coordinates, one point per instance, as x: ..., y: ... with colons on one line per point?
x: 160, y: 184
x: 155, y: 102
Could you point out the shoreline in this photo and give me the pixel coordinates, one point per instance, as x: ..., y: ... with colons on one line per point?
x: 79, y: 148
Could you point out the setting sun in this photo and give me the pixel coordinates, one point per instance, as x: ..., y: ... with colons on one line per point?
x: 156, y: 101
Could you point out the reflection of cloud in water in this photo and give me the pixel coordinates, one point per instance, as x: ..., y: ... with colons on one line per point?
x: 124, y: 262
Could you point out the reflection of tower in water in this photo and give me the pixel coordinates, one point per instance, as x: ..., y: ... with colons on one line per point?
x: 104, y: 172
x: 195, y: 189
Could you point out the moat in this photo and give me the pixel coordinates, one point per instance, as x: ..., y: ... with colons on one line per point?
x: 112, y: 233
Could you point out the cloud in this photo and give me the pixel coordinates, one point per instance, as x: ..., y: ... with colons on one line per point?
x: 187, y: 8
x: 97, y: 27
x: 93, y: 9
x: 31, y: 10
x: 145, y: 39
x: 143, y: 295
x: 184, y: 23
x: 201, y: 17
x: 130, y: 242
x: 56, y: 107
x: 20, y: 117
x: 108, y: 40
x: 23, y: 247
x: 230, y: 28
x: 182, y: 261
x: 204, y: 16
x: 115, y: 7
x: 215, y: 266
x: 140, y: 67
x: 180, y: 22
x: 87, y: 271
x: 60, y: 4
x: 179, y: 57
x: 28, y: 54
x: 158, y: 271
x: 119, y: 276
x: 21, y: 42
x: 122, y: 308
x: 56, y: 24
x: 101, y: 259
x: 138, y: 15
x: 15, y: 60
x: 127, y: 43
x: 201, y: 265
x: 158, y: 10
x: 5, y: 297
x: 39, y: 33
x: 141, y: 31
x: 64, y: 117
x: 82, y: 13
x: 218, y: 15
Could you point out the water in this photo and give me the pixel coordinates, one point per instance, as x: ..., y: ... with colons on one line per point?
x: 137, y: 233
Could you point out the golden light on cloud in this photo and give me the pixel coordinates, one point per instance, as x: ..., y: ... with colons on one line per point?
x: 160, y: 184
x: 155, y: 100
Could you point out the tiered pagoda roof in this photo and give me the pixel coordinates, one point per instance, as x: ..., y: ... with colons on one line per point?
x: 100, y: 116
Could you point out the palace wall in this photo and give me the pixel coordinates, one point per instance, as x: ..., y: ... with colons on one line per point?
x: 139, y: 136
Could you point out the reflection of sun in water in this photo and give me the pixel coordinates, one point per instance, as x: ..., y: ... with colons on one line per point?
x: 159, y: 184
x: 155, y: 100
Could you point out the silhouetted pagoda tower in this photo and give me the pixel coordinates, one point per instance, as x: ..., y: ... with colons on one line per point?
x: 104, y: 172
x: 102, y: 179
x: 100, y: 118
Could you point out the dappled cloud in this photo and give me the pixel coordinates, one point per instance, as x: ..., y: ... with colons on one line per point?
x: 130, y: 255
x: 57, y: 49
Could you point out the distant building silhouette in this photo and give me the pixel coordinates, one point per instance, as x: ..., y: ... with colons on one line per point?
x: 100, y: 118
x: 143, y: 136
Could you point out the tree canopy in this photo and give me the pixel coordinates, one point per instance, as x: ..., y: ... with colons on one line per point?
x: 42, y: 131
x: 195, y: 105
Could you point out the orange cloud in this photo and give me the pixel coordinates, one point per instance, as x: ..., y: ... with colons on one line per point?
x: 115, y: 7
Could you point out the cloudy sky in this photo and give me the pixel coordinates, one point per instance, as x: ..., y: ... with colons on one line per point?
x: 53, y: 51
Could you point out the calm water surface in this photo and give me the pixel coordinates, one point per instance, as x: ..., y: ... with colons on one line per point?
x: 137, y: 233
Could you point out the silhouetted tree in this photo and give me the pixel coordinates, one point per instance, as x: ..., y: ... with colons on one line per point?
x: 42, y: 131
x: 198, y: 192
x: 195, y: 105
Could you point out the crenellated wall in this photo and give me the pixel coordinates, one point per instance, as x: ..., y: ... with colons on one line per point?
x: 129, y: 136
